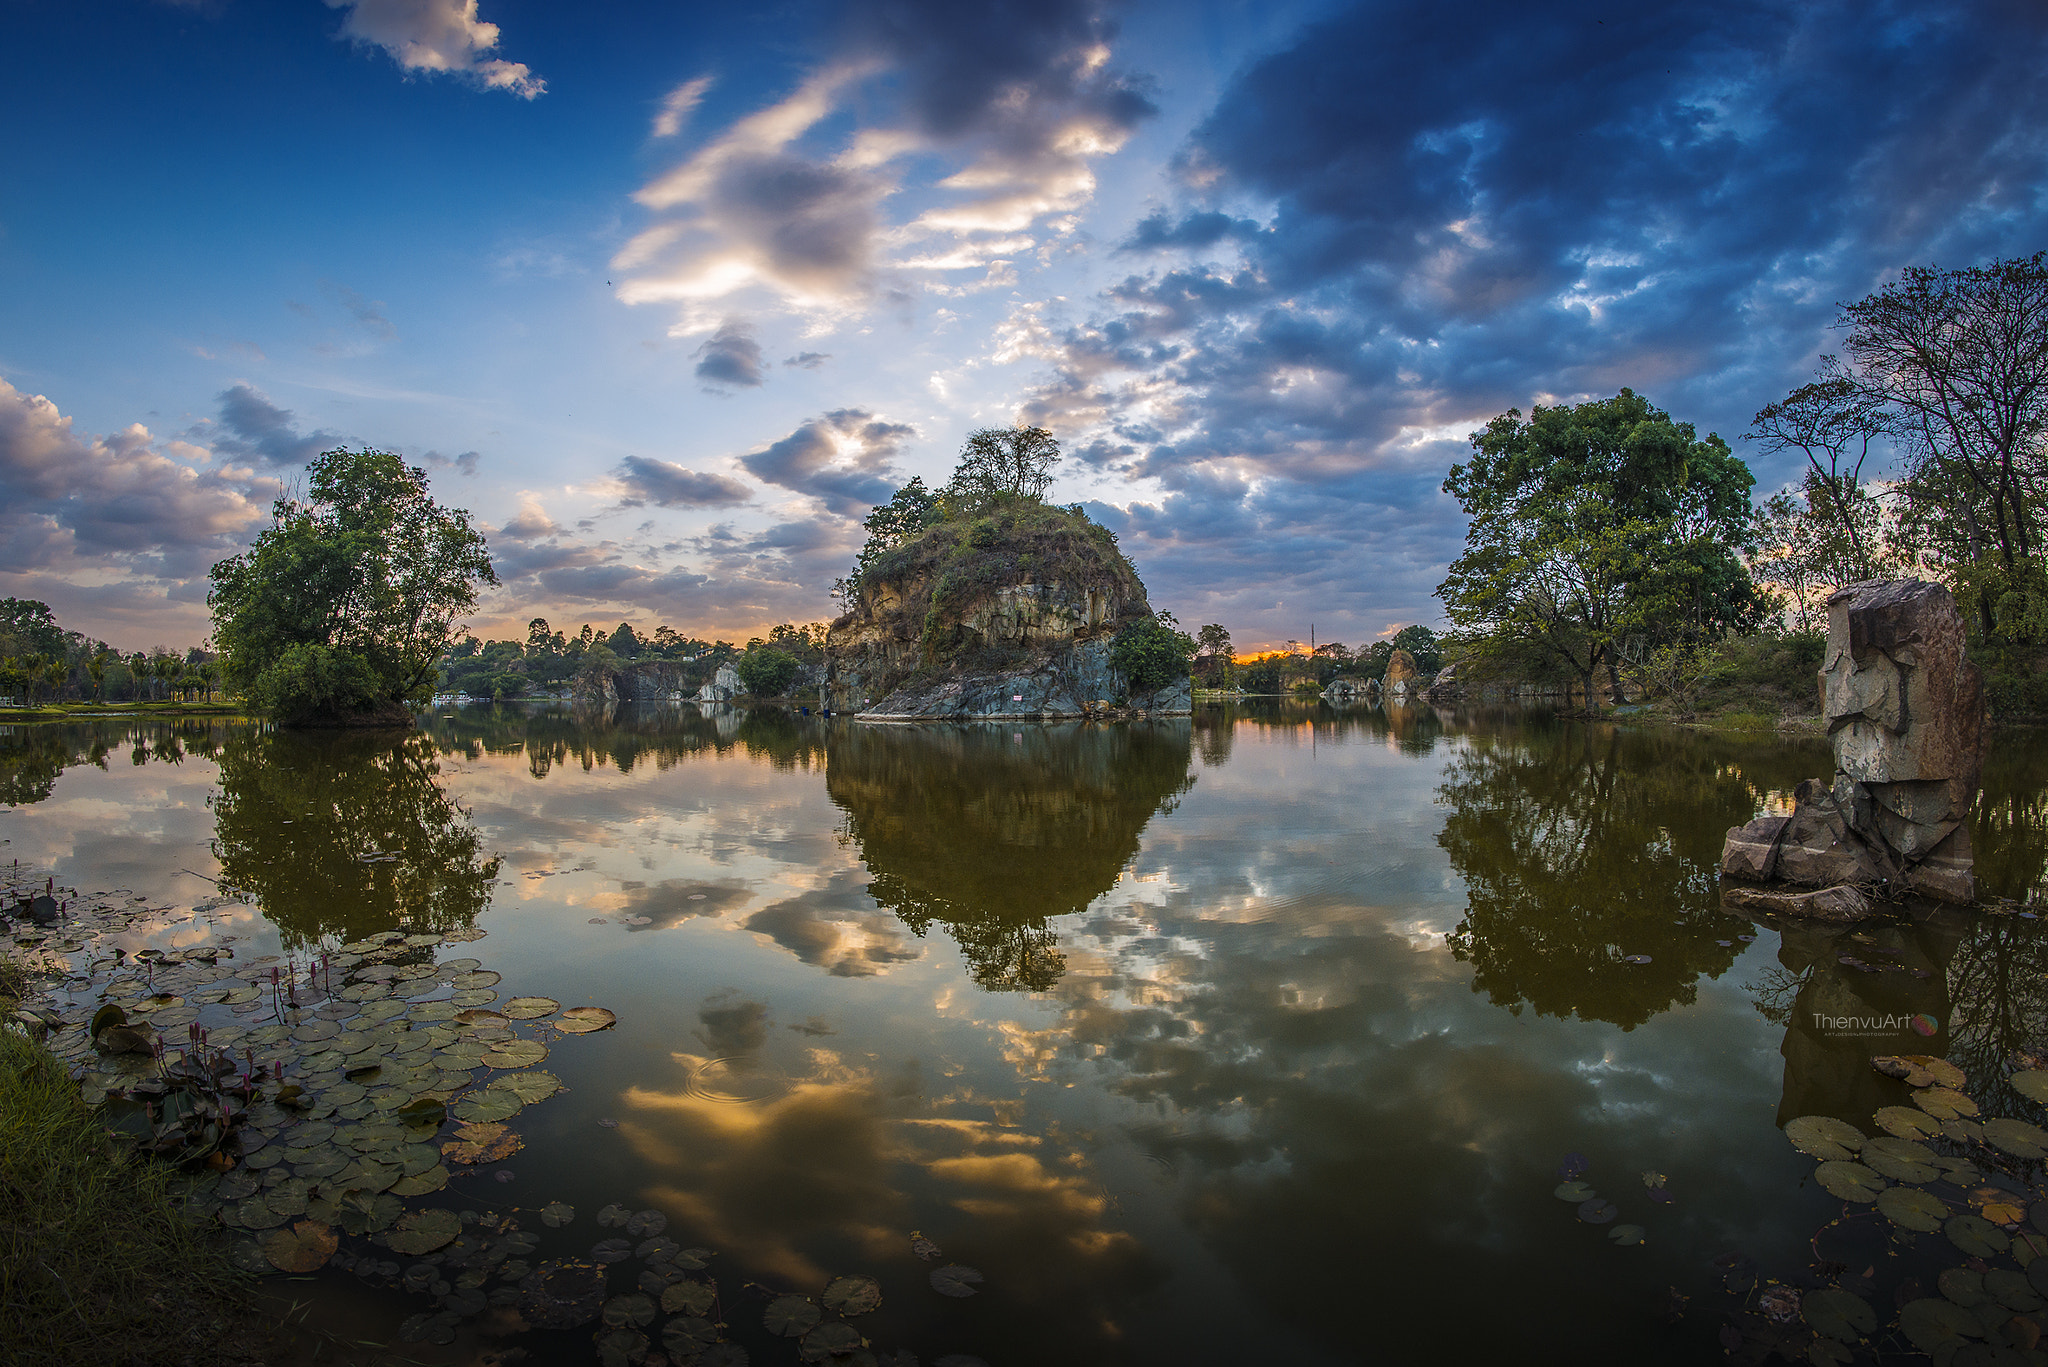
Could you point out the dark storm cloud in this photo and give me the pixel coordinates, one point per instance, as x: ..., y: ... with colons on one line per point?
x: 254, y: 428
x: 668, y: 485
x: 841, y: 457
x: 731, y: 356
x: 1476, y: 206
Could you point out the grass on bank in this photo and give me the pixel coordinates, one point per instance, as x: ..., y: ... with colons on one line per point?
x: 60, y: 711
x: 96, y: 1264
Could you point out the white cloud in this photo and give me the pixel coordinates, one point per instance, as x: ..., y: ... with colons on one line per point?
x: 680, y: 104
x: 438, y: 35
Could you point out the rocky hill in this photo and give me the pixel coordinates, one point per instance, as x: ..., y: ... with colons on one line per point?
x: 1011, y: 615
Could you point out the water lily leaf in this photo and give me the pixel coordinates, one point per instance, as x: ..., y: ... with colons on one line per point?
x: 2010, y: 1289
x: 1849, y: 1181
x: 528, y: 1087
x: 1920, y: 1070
x: 420, y: 1183
x: 955, y: 1280
x: 423, y: 1231
x: 107, y: 1015
x: 630, y: 1311
x: 689, y: 1297
x: 695, y: 1259
x: 555, y: 1214
x: 1627, y: 1235
x: 612, y: 1250
x: 790, y: 1316
x: 423, y: 1111
x: 476, y: 978
x: 2032, y: 1084
x: 487, y: 1142
x: 305, y: 1247
x: 518, y: 1053
x: 646, y: 1222
x: 365, y: 1212
x: 1837, y: 1314
x: 530, y: 1008
x: 562, y: 1295
x: 582, y: 1020
x: 1897, y: 1166
x: 855, y: 1295
x: 1976, y: 1236
x: 1598, y: 1212
x: 613, y: 1215
x: 1824, y: 1137
x: 829, y: 1341
x: 486, y: 1104
x: 1574, y: 1192
x: 1944, y: 1103
x: 2017, y: 1137
x: 1963, y: 1286
x: 690, y: 1335
x: 255, y: 1213
x: 1938, y: 1327
x: 475, y: 996
x: 1907, y: 1123
x: 1912, y: 1208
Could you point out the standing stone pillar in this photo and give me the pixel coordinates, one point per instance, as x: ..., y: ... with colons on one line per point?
x: 1905, y: 710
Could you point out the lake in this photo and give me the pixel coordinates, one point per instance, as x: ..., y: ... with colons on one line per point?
x: 1265, y: 1036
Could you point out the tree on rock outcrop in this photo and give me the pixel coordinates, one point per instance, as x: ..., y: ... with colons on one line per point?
x: 340, y: 612
x: 1003, y: 462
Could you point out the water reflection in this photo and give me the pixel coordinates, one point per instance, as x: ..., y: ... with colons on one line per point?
x: 1590, y: 856
x: 624, y: 737
x: 346, y: 835
x: 33, y: 757
x: 990, y: 831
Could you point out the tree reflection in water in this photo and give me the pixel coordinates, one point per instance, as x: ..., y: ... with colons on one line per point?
x: 33, y: 757
x: 1583, y: 847
x: 347, y: 834
x: 991, y: 830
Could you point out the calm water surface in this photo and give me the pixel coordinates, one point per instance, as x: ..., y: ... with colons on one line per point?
x: 1252, y: 1039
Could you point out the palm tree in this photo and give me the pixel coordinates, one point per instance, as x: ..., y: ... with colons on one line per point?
x: 161, y: 667
x: 97, y: 668
x: 58, y: 673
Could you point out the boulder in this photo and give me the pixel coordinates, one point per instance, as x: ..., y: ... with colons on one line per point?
x: 1402, y: 675
x: 1905, y: 711
x: 724, y: 686
x: 1840, y: 904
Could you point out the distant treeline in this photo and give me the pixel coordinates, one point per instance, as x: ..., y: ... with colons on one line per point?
x: 1311, y: 666
x: 550, y: 661
x: 41, y: 662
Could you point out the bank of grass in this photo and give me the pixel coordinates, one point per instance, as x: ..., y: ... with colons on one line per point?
x: 97, y: 1267
x: 61, y: 711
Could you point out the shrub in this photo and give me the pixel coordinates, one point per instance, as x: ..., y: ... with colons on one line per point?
x: 768, y: 672
x: 317, y: 682
x: 1151, y: 654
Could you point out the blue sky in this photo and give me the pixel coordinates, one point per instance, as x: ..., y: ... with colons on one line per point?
x: 667, y: 295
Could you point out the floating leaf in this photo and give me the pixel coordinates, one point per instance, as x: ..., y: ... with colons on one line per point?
x: 829, y: 1341
x: 486, y: 1104
x: 583, y: 1020
x: 420, y: 1183
x: 1627, y: 1235
x: 1598, y: 1212
x: 1938, y: 1327
x: 923, y: 1247
x: 2017, y: 1137
x: 1654, y: 1180
x: 423, y: 1231
x: 423, y: 1111
x: 1837, y: 1314
x: 530, y: 1008
x: 646, y: 1222
x: 1920, y: 1070
x: 1944, y: 1103
x: 1976, y: 1236
x: 366, y: 1212
x: 518, y: 1053
x: 855, y: 1295
x: 305, y: 1247
x: 612, y: 1250
x: 690, y: 1297
x: 1824, y: 1137
x: 613, y: 1216
x: 790, y: 1316
x: 1574, y: 1192
x: 486, y: 1142
x: 1907, y: 1123
x: 476, y: 978
x: 2010, y: 1289
x: 2032, y: 1084
x: 528, y: 1087
x: 688, y: 1336
x: 1962, y: 1285
x: 1896, y: 1164
x: 955, y: 1280
x: 630, y: 1311
x: 555, y: 1214
x: 1912, y: 1208
x: 561, y: 1295
x: 1849, y: 1181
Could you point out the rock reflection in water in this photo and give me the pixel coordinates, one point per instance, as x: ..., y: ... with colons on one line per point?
x: 990, y: 831
x: 346, y: 835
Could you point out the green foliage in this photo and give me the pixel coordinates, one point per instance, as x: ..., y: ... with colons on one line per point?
x: 366, y: 567
x: 1421, y: 644
x: 1151, y: 653
x: 28, y: 628
x: 1002, y: 463
x: 767, y: 672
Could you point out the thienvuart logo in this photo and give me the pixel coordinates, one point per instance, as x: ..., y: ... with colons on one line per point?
x: 1922, y: 1024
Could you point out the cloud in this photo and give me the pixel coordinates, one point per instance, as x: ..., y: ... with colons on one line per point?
x: 1670, y: 199
x: 464, y: 464
x: 678, y: 106
x: 254, y: 428
x: 438, y: 35
x: 367, y: 312
x: 731, y: 355
x: 807, y: 360
x: 668, y: 485
x: 987, y: 119
x: 841, y: 457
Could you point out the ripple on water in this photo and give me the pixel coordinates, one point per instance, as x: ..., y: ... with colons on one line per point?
x: 738, y: 1081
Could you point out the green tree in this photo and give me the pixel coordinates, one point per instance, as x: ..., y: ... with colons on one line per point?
x: 28, y: 628
x: 1151, y: 652
x: 1422, y: 647
x: 1213, y: 655
x: 1003, y: 462
x: 1594, y: 524
x: 1833, y: 424
x: 340, y: 612
x: 96, y: 667
x: 767, y: 672
x: 909, y: 513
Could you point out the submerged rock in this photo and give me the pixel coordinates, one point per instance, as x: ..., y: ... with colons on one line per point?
x: 1905, y: 710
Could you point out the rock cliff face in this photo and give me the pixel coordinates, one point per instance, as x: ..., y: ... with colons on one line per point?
x: 1906, y: 711
x: 649, y: 681
x: 992, y: 620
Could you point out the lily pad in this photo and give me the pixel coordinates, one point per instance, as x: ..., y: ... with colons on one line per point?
x: 828, y: 1341
x: 790, y: 1316
x: 518, y: 1053
x: 528, y: 1087
x: 1598, y: 1212
x: 582, y: 1020
x: 304, y: 1247
x: 629, y: 1311
x: 1849, y: 1181
x: 1962, y: 1285
x: 1897, y: 1166
x: 955, y: 1280
x: 1574, y: 1192
x: 645, y: 1223
x: 1912, y: 1208
x: 2017, y: 1137
x: 855, y: 1295
x: 2010, y: 1289
x: 486, y: 1142
x: 1976, y: 1236
x: 1944, y: 1103
x: 612, y: 1250
x: 689, y: 1297
x: 1824, y: 1137
x: 555, y: 1214
x: 2032, y: 1084
x: 613, y: 1216
x: 421, y: 1183
x: 1838, y: 1315
x: 562, y: 1295
x: 1627, y: 1235
x: 687, y: 1336
x: 486, y: 1104
x: 1938, y: 1327
x: 530, y: 1008
x: 423, y: 1231
x: 1907, y: 1123
x: 476, y: 978
x: 366, y: 1212
x: 1920, y: 1070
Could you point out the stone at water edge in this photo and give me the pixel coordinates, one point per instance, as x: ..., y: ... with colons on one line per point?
x: 1840, y: 904
x: 1401, y: 673
x: 1752, y: 851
